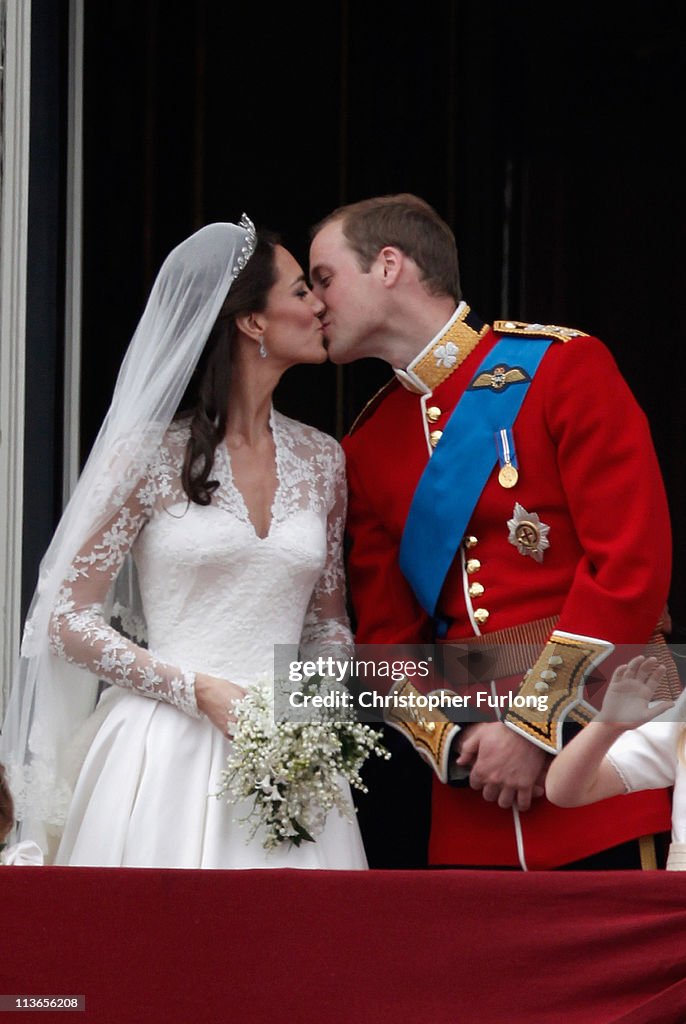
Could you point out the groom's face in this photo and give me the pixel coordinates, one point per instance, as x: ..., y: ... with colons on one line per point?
x: 350, y: 295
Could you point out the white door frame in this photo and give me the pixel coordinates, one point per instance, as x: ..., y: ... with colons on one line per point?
x: 14, y: 194
x: 15, y: 26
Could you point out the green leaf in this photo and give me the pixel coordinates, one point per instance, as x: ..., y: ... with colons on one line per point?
x: 302, y: 833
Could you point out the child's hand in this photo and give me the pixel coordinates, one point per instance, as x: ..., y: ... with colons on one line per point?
x: 631, y: 689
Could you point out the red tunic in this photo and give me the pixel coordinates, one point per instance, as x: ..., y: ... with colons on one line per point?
x: 587, y: 467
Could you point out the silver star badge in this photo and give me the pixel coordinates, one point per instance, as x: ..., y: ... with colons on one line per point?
x: 528, y: 534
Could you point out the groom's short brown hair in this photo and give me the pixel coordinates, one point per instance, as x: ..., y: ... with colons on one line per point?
x: 408, y: 223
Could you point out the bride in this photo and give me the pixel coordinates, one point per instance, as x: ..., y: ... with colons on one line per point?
x: 216, y: 521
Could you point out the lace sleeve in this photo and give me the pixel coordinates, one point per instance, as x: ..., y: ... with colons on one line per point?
x: 79, y: 632
x: 326, y: 630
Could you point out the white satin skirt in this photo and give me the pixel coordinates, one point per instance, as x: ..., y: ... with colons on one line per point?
x: 144, y: 797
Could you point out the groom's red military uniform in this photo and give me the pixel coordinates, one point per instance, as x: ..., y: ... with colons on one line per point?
x: 576, y: 552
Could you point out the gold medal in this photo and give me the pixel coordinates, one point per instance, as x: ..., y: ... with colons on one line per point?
x: 508, y: 476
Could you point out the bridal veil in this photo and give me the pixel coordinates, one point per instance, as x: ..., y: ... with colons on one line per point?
x: 50, y: 699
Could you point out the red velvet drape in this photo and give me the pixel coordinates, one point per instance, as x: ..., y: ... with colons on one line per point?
x: 435, y: 947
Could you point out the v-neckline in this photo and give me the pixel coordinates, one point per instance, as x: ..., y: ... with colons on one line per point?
x: 242, y: 504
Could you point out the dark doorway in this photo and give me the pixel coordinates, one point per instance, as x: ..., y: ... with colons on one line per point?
x: 546, y: 136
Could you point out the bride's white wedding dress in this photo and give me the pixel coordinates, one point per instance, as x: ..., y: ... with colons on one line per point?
x: 217, y: 598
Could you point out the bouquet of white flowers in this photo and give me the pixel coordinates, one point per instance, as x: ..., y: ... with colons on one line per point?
x: 292, y: 769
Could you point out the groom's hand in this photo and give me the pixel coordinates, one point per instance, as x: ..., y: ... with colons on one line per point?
x: 507, y: 768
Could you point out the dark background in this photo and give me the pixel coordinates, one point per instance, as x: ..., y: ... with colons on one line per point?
x: 546, y: 135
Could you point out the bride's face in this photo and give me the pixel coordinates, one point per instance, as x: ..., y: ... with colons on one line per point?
x: 293, y: 330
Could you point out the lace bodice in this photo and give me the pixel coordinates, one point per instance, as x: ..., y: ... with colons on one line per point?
x: 216, y: 596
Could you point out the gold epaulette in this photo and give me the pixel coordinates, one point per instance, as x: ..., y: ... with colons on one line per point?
x: 516, y: 327
x: 371, y: 405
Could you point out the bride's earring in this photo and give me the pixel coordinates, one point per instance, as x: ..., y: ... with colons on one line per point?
x: 263, y: 350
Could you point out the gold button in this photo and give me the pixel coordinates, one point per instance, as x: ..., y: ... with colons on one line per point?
x: 434, y: 437
x: 476, y: 589
x: 470, y: 542
x: 433, y: 413
x: 481, y: 615
x: 473, y: 565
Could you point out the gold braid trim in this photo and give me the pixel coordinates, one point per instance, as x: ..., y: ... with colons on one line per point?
x: 559, y: 675
x: 519, y: 328
x: 435, y: 367
x: 427, y: 729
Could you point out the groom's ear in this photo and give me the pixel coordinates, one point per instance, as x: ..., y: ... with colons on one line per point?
x: 252, y: 324
x: 389, y: 263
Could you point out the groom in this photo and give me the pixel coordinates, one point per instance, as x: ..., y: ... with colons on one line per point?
x: 503, y: 485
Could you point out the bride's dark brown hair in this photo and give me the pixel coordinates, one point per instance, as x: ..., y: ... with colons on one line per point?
x: 205, y: 400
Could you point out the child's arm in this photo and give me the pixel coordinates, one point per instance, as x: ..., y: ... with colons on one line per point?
x: 581, y: 774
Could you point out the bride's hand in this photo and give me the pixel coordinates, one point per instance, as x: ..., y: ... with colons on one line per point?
x: 215, y: 699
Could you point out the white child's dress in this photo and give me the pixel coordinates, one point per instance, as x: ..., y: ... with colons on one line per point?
x: 648, y: 758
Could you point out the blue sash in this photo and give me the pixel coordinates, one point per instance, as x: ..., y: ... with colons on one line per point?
x: 456, y: 474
